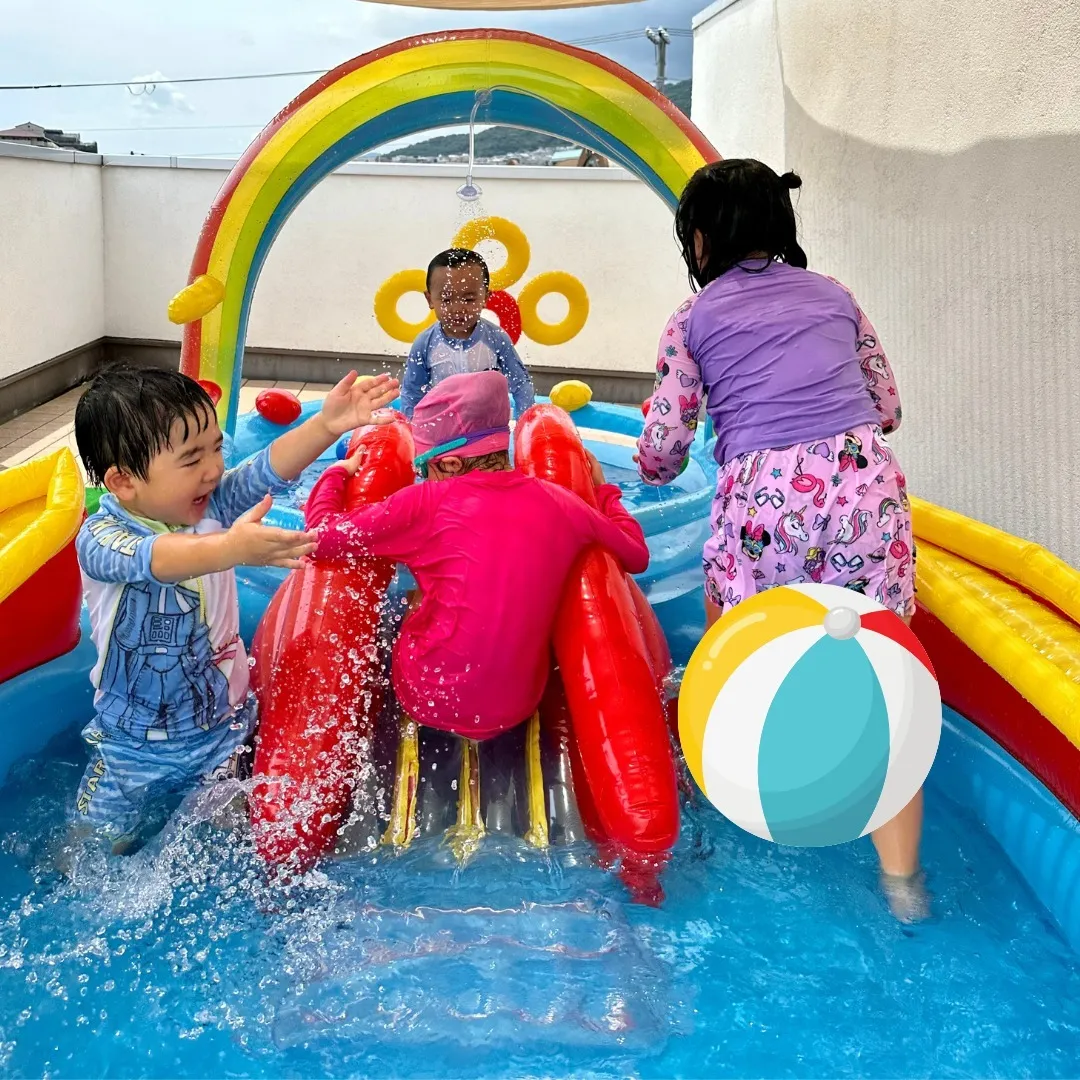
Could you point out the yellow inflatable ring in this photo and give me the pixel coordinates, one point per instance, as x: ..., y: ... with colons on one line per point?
x: 386, y: 303
x: 554, y: 281
x: 502, y: 232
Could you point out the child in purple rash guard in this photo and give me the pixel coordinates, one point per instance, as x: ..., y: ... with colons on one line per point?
x: 801, y: 396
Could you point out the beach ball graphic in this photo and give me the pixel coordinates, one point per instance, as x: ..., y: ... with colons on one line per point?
x: 809, y: 715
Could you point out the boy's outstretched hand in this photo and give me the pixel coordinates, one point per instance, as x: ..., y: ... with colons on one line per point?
x: 351, y: 404
x: 356, y: 402
x: 248, y: 542
x: 251, y: 543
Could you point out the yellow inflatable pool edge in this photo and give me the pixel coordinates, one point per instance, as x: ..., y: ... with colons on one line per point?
x: 41, y: 509
x: 1022, y: 561
x: 973, y: 577
x: 1028, y: 644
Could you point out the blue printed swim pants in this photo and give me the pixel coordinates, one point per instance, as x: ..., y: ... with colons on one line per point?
x: 132, y: 784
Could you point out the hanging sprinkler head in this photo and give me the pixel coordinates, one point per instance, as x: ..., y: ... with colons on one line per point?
x: 470, y: 192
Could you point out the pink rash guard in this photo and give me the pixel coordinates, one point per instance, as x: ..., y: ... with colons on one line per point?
x: 490, y: 552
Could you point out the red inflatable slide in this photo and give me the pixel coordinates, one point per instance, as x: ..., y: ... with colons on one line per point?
x: 316, y: 675
x: 612, y: 660
x: 318, y: 669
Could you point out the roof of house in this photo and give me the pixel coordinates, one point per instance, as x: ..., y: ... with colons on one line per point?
x: 29, y: 132
x: 24, y: 131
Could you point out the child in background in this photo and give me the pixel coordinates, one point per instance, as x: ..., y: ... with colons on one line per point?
x: 801, y: 397
x: 171, y: 679
x: 490, y: 549
x: 461, y: 341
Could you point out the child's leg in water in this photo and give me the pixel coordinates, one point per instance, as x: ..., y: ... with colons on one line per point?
x: 127, y: 792
x: 897, y: 842
x: 223, y: 793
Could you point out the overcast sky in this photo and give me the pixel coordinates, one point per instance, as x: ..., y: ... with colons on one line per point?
x: 53, y: 41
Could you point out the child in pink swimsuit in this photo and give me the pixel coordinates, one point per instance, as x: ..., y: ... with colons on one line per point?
x: 490, y: 550
x: 801, y: 396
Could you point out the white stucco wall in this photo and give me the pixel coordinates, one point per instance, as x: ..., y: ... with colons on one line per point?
x: 362, y: 225
x: 52, y: 294
x: 940, y: 149
x: 738, y: 88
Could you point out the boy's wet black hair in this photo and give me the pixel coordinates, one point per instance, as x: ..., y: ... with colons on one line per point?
x: 740, y: 207
x: 455, y: 257
x: 126, y: 417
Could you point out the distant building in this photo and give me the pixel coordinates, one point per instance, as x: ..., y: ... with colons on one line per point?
x: 578, y: 158
x: 34, y: 135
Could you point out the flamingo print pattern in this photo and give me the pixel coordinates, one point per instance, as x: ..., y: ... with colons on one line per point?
x: 791, y: 515
x: 833, y: 510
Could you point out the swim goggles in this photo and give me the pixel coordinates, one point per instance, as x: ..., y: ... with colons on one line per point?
x: 422, y: 462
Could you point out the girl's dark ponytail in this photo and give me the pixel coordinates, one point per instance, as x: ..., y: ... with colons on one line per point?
x: 736, y: 211
x: 792, y: 253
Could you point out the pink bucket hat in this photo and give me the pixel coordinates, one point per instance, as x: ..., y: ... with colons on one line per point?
x: 467, y: 415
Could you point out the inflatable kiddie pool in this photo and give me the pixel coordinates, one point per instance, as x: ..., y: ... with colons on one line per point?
x: 999, y: 617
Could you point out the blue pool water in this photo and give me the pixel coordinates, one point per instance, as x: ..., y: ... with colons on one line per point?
x: 182, y: 961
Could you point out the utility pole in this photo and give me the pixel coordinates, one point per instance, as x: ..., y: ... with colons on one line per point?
x: 661, y: 39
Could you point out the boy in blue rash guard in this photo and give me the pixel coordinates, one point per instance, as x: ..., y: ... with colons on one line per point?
x: 171, y: 695
x: 457, y: 290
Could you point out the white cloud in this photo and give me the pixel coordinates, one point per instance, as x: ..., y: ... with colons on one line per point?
x: 154, y: 95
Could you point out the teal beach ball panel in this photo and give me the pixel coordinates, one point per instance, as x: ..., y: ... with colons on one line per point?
x: 824, y: 749
x: 736, y: 720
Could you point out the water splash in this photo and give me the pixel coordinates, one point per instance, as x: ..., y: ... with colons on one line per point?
x: 188, y: 960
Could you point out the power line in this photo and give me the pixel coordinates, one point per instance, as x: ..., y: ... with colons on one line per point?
x: 599, y: 39
x: 170, y: 82
x: 624, y: 35
x: 257, y: 125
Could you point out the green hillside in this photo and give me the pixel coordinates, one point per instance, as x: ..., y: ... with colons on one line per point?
x: 679, y: 93
x: 490, y: 143
x: 500, y: 141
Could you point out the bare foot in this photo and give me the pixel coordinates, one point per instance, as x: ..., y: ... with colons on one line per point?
x: 907, y: 896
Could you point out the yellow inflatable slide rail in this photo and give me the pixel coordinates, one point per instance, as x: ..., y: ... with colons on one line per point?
x: 973, y: 578
x: 41, y: 508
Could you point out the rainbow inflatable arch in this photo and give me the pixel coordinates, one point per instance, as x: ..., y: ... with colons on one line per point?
x: 403, y: 89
